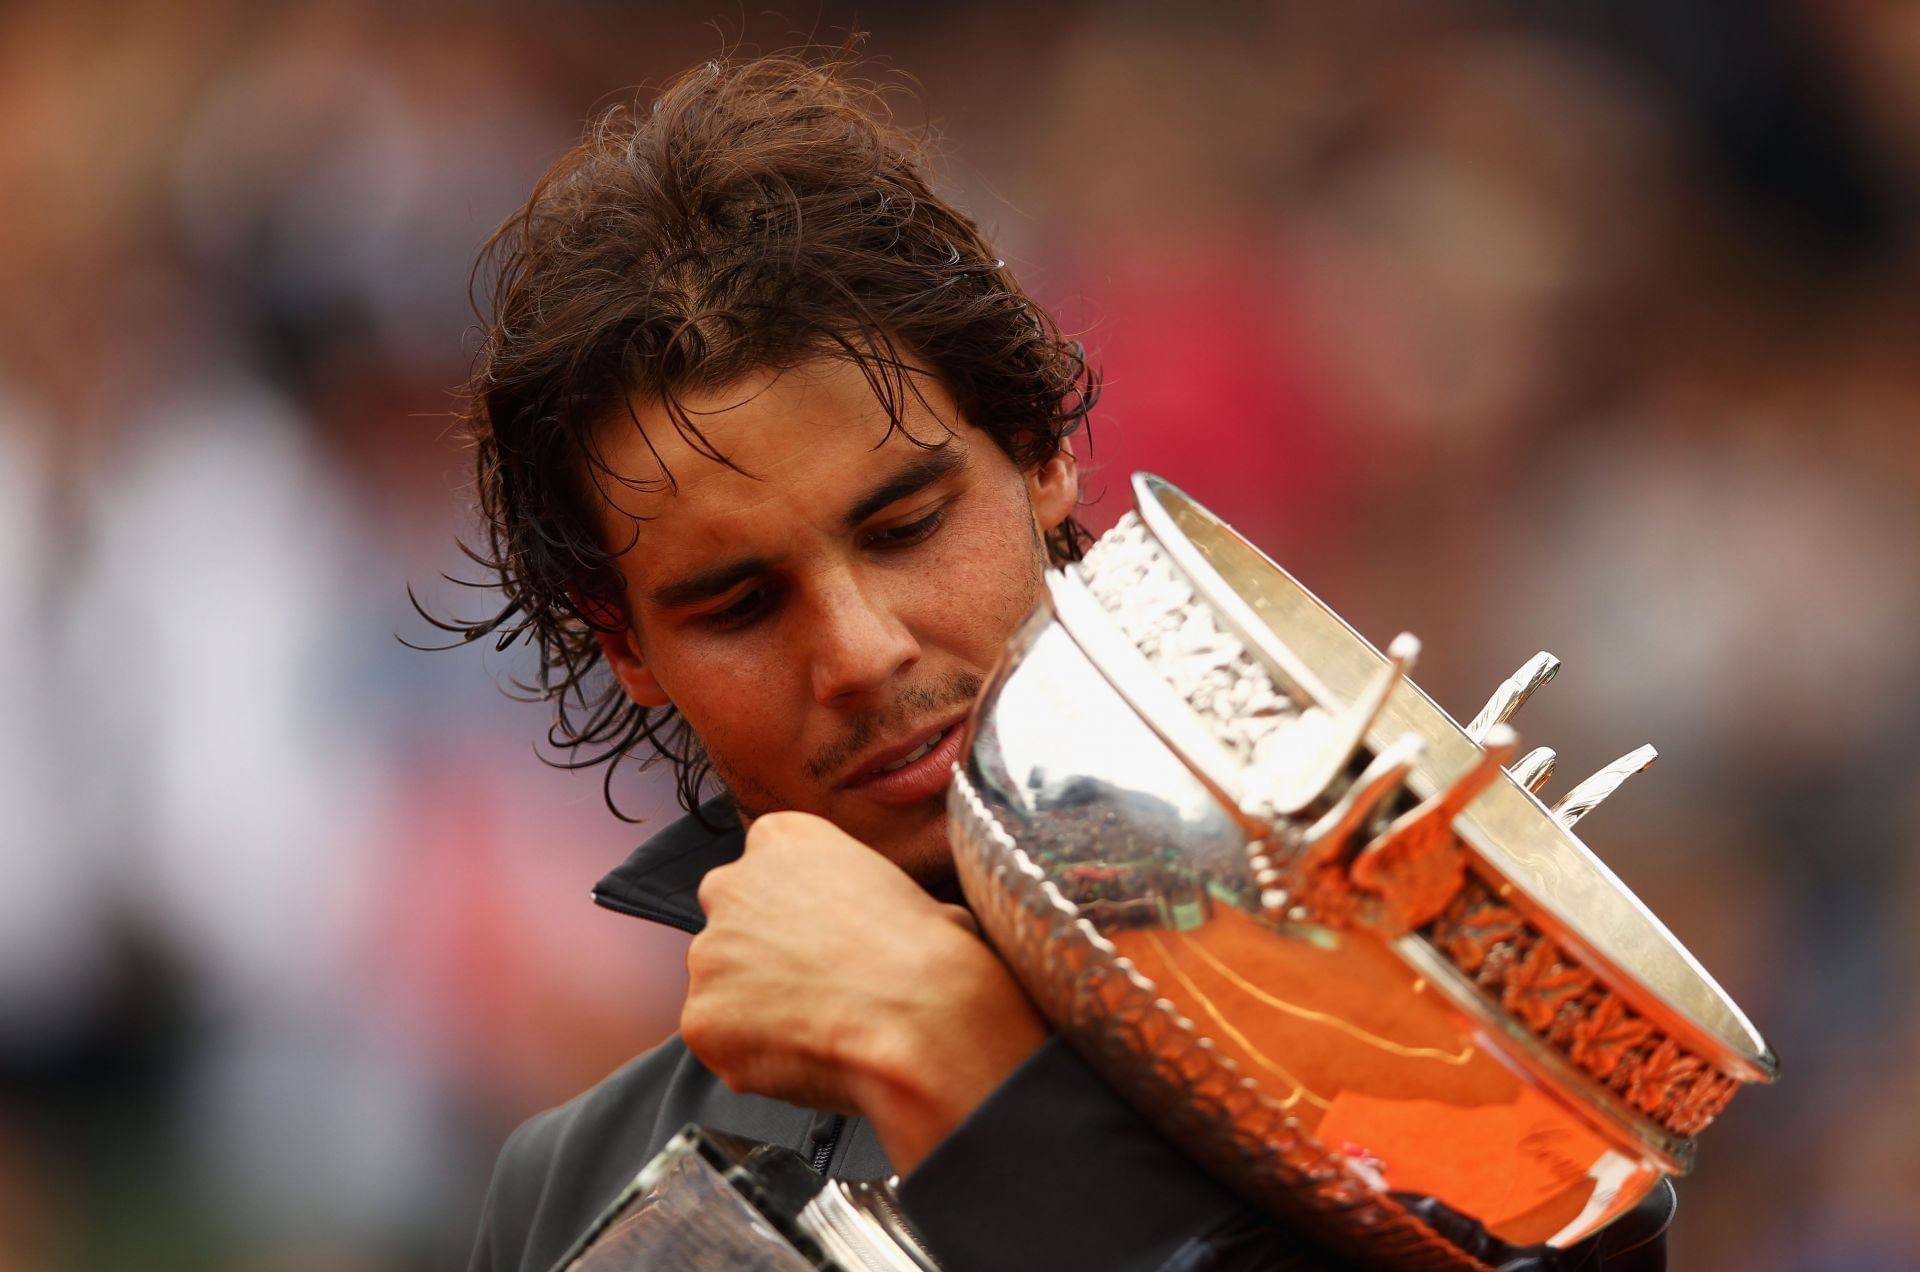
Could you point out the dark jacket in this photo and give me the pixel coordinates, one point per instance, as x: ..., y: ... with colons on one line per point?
x: 1052, y: 1171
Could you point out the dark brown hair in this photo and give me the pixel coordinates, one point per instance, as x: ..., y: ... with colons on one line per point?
x: 755, y: 215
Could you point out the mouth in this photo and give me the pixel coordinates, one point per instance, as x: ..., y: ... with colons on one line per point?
x: 911, y: 770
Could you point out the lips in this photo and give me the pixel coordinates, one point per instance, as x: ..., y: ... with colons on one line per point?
x: 910, y: 757
x: 913, y: 769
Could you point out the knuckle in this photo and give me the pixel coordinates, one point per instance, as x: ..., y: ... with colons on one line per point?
x: 708, y: 960
x: 713, y: 887
x: 774, y: 828
x: 693, y: 1032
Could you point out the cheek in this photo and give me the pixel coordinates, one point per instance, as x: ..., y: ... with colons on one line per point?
x: 732, y: 695
x: 985, y: 581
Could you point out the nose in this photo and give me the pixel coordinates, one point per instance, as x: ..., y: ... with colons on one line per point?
x: 860, y: 643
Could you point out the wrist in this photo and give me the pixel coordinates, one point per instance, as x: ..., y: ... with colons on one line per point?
x: 925, y: 1069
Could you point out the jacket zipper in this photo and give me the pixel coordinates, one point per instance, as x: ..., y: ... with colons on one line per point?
x: 823, y: 1152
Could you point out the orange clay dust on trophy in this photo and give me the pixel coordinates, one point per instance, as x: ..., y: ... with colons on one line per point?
x: 1332, y: 942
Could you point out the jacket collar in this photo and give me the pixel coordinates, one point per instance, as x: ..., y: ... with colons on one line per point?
x: 661, y: 880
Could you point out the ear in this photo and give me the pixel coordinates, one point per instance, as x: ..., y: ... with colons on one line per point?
x: 1054, y: 489
x: 622, y: 652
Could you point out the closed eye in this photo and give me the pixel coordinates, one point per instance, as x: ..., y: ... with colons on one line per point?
x: 752, y: 605
x: 909, y: 534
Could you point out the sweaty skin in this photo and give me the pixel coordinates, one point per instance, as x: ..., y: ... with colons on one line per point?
x: 822, y: 609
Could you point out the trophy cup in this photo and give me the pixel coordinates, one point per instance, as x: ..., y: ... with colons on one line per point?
x: 1330, y: 941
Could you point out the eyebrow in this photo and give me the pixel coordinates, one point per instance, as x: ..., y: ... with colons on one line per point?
x: 935, y: 465
x: 704, y: 585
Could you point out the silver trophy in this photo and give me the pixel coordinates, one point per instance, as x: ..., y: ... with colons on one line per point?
x: 1333, y: 943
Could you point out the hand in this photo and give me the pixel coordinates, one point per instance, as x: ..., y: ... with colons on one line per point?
x: 827, y: 978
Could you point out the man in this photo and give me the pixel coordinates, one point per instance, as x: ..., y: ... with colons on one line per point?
x: 773, y: 453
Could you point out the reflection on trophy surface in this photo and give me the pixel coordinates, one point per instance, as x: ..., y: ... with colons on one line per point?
x: 1321, y: 933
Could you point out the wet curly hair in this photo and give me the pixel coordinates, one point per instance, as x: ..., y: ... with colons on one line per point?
x: 755, y: 214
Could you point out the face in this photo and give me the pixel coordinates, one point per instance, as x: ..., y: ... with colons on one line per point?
x: 824, y: 616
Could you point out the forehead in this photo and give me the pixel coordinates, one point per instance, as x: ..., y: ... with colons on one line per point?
x: 776, y: 448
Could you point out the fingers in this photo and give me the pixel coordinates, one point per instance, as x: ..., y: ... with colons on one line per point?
x: 788, y: 827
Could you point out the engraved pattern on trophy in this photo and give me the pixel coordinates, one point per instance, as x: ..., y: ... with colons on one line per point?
x: 1587, y: 796
x: 1331, y: 941
x: 1513, y: 694
x: 1515, y: 963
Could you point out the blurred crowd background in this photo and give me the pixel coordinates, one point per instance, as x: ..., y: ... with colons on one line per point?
x: 1587, y: 326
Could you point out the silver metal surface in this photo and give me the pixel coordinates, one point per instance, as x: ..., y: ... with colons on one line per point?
x: 1312, y: 752
x: 1586, y: 797
x: 1310, y: 926
x: 1513, y: 693
x: 1365, y: 798
x: 1534, y: 769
